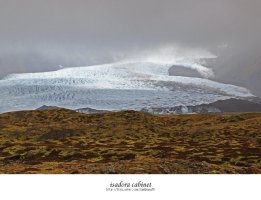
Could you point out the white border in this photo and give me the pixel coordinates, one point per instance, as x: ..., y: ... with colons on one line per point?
x: 77, y: 187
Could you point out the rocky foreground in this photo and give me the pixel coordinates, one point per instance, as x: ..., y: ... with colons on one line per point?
x: 64, y: 141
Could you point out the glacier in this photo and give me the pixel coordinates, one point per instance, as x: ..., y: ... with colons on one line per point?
x: 115, y: 86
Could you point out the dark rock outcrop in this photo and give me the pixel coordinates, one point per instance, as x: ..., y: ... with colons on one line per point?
x: 179, y: 70
x: 44, y: 107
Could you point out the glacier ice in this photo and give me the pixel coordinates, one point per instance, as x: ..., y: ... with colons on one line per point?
x: 115, y: 86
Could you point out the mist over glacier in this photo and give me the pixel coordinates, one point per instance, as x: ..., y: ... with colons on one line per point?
x: 39, y: 36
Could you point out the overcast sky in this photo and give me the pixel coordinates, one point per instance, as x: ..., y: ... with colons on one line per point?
x: 39, y: 35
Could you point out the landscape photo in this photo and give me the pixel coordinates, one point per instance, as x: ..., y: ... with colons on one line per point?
x: 130, y: 87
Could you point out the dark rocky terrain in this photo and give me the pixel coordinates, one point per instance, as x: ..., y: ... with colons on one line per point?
x: 236, y: 105
x: 228, y: 105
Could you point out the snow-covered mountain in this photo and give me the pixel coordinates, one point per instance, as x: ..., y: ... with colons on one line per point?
x: 122, y: 85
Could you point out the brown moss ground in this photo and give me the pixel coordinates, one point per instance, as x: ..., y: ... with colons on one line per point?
x: 64, y: 141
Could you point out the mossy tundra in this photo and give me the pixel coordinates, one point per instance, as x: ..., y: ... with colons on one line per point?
x: 63, y: 141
